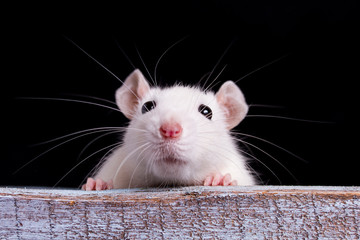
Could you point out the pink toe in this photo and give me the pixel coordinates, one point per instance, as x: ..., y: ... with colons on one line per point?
x: 208, y: 181
x: 90, y: 184
x: 110, y: 185
x: 217, y: 179
x: 100, y: 184
x: 227, y: 179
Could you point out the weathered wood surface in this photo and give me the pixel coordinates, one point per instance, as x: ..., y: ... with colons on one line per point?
x: 261, y: 212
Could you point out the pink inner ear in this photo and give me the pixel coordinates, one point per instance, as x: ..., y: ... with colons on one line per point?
x: 142, y: 90
x: 230, y: 111
x: 133, y: 90
x: 232, y: 102
x: 224, y: 106
x: 142, y: 86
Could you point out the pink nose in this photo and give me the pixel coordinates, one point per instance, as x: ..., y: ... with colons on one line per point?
x: 170, y: 130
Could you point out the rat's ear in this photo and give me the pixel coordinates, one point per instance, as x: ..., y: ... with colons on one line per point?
x: 131, y: 92
x: 232, y: 102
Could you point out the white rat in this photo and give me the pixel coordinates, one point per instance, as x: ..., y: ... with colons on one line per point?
x: 177, y: 136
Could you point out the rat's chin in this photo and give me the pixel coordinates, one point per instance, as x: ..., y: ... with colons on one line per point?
x: 170, y: 169
x: 172, y: 161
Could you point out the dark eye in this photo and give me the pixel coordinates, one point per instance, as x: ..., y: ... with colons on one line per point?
x: 206, y: 111
x: 148, y: 106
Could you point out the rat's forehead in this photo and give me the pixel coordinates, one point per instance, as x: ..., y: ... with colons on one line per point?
x: 180, y: 94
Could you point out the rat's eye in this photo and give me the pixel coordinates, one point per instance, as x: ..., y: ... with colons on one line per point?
x: 206, y: 111
x: 148, y: 106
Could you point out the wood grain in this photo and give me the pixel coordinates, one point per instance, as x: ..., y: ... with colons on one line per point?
x: 261, y: 212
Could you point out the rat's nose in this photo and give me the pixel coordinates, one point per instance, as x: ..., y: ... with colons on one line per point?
x: 170, y: 130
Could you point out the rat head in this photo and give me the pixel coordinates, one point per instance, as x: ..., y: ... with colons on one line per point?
x: 178, y: 130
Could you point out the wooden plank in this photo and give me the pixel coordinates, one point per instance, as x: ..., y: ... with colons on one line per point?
x: 260, y: 212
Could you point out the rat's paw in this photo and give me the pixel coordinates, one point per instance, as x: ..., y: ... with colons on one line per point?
x: 219, y: 180
x: 98, y: 184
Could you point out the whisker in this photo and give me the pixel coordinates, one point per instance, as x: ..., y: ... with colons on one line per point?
x: 218, y: 62
x: 259, y: 68
x: 162, y: 55
x: 94, y: 140
x: 71, y: 100
x: 228, y: 150
x: 143, y: 158
x: 82, y: 161
x: 252, y: 157
x: 92, y: 58
x: 105, y: 134
x: 210, y: 87
x: 147, y: 169
x: 101, y: 161
x: 203, y: 77
x: 147, y: 70
x: 258, y: 178
x: 271, y: 143
x: 151, y: 162
x: 128, y: 157
x: 92, y: 97
x: 267, y: 154
x: 249, y: 149
x: 258, y: 160
x: 276, y: 117
x: 264, y: 106
x: 164, y: 181
x: 101, y: 65
x: 288, y: 118
x: 56, y: 146
x: 124, y: 53
x: 94, y: 130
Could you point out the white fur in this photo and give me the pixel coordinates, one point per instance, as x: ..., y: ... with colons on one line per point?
x: 205, y: 146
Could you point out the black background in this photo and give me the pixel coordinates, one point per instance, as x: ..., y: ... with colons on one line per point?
x: 315, y: 81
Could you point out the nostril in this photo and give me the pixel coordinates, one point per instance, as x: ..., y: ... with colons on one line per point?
x: 170, y: 130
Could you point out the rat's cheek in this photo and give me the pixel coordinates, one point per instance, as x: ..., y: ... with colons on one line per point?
x: 190, y: 130
x: 153, y: 125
